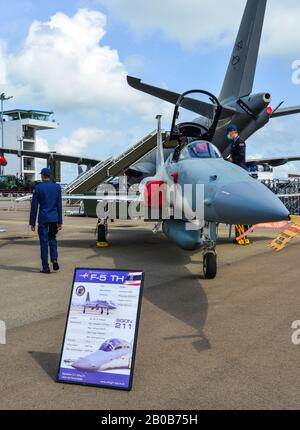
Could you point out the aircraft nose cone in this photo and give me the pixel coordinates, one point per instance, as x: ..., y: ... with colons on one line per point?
x: 249, y: 203
x: 83, y: 364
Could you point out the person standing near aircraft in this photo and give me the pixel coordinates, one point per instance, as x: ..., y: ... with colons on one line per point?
x: 238, y: 157
x: 238, y: 147
x: 47, y: 199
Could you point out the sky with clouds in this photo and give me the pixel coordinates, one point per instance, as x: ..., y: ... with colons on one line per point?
x: 72, y: 57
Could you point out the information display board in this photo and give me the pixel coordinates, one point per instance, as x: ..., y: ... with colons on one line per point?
x: 101, y: 330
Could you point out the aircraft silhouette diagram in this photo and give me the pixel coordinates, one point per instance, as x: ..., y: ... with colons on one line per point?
x: 98, y: 305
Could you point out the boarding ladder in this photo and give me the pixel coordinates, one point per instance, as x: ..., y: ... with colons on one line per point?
x: 112, y: 167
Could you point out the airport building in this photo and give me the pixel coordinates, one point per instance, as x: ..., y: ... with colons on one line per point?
x: 20, y: 128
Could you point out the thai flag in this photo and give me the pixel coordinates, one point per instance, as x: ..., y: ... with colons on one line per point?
x: 134, y: 279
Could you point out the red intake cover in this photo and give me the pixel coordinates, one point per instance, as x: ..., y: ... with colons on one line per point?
x: 154, y: 194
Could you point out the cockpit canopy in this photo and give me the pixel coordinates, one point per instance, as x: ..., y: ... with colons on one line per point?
x: 184, y: 126
x: 199, y: 149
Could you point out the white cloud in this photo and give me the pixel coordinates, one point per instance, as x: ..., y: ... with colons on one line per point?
x: 42, y: 144
x: 84, y: 139
x: 64, y: 64
x: 210, y: 23
x: 99, y: 143
x: 188, y: 22
x: 3, y: 72
x: 134, y: 63
x: 282, y: 31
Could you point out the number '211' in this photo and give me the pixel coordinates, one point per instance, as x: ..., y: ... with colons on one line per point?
x: 124, y: 325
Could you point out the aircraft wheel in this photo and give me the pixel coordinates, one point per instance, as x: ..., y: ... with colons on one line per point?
x: 102, y: 236
x: 102, y: 233
x: 210, y: 265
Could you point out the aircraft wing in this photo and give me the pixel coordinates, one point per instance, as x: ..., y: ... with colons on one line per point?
x: 52, y: 156
x: 286, y: 111
x: 274, y: 162
x: 117, y: 198
x: 197, y: 106
x: 79, y: 197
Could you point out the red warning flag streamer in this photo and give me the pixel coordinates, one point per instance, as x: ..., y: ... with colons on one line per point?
x: 270, y: 225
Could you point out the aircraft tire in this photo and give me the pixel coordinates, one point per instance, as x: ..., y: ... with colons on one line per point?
x: 101, y: 233
x: 210, y: 265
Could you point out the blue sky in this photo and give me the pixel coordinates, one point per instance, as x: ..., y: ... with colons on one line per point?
x: 72, y: 57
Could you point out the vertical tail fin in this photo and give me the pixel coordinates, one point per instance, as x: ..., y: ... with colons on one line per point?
x: 88, y: 299
x: 241, y: 70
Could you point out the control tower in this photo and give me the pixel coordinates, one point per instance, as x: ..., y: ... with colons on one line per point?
x: 20, y: 132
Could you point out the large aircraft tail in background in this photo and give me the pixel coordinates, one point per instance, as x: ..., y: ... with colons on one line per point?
x: 242, y: 65
x: 250, y: 112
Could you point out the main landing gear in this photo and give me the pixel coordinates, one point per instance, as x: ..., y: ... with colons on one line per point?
x: 210, y: 266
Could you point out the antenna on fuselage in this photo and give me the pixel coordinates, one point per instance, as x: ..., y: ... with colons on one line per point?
x: 160, y: 159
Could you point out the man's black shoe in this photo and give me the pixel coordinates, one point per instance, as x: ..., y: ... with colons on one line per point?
x: 55, y: 266
x: 45, y: 271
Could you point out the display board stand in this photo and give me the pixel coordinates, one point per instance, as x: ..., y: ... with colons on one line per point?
x: 100, y: 338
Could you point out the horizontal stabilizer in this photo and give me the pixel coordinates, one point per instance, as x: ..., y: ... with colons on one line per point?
x: 197, y: 106
x: 273, y: 162
x: 286, y: 111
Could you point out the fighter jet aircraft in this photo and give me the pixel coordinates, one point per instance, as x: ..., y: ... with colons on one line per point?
x: 230, y: 195
x: 250, y: 112
x: 98, y: 305
x: 112, y: 354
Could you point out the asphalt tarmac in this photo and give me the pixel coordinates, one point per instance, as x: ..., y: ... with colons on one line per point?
x: 221, y: 344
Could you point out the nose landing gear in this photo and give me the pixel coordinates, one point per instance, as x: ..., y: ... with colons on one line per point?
x: 210, y: 266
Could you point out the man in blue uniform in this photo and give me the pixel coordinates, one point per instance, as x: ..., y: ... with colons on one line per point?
x: 238, y: 147
x: 238, y: 157
x: 47, y: 198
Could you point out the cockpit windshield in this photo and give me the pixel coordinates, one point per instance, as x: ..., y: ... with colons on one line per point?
x: 113, y: 344
x: 200, y: 149
x: 109, y: 345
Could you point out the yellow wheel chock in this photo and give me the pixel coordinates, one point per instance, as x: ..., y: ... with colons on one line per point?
x: 102, y: 244
x: 240, y: 230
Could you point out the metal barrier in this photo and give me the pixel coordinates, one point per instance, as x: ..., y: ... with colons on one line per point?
x: 288, y: 191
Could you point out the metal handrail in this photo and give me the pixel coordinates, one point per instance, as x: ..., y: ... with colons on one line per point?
x: 110, y: 162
